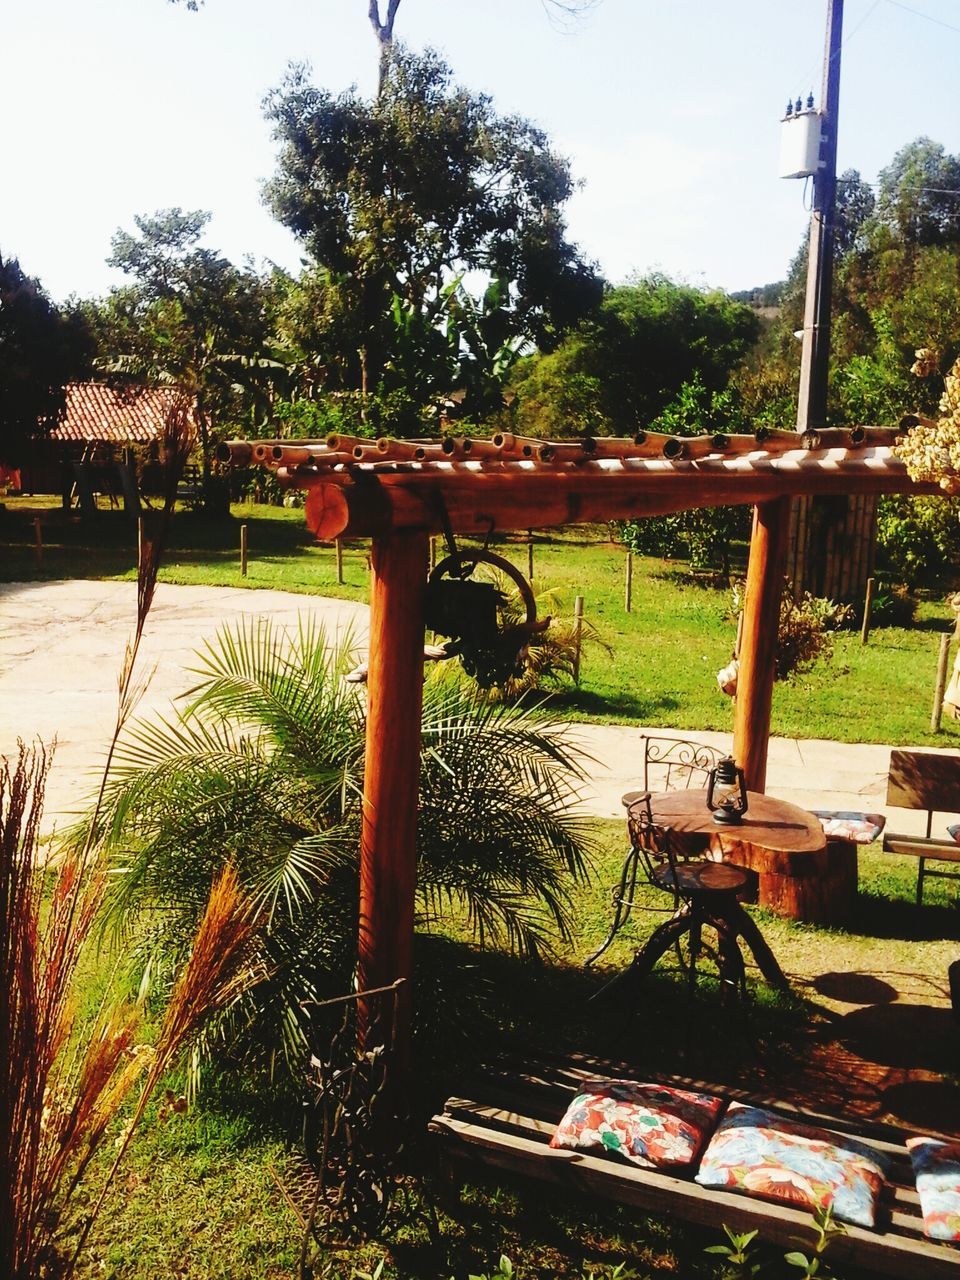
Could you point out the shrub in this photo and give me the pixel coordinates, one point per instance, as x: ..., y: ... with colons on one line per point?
x: 916, y: 537
x: 263, y: 768
x: 804, y: 634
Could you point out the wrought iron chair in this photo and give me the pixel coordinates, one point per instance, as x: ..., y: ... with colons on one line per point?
x: 669, y: 764
x: 704, y: 895
x: 676, y: 764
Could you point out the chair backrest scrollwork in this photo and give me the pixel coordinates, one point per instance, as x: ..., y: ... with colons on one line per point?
x: 676, y: 764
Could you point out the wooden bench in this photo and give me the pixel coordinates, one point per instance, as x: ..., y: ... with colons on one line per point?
x: 928, y: 782
x: 508, y: 1119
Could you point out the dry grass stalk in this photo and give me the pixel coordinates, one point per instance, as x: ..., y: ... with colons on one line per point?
x: 56, y: 1104
x: 216, y: 973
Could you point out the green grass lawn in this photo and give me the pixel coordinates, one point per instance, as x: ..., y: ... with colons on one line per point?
x: 199, y: 1197
x: 665, y: 652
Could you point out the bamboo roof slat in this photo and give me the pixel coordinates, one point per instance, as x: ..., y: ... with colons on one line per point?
x: 515, y: 482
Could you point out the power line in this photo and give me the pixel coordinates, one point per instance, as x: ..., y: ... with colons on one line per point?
x: 846, y: 40
x: 928, y: 17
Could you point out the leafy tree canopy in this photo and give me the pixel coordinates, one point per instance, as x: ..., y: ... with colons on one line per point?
x: 189, y: 316
x: 621, y: 368
x: 404, y: 201
x: 41, y: 349
x: 896, y: 288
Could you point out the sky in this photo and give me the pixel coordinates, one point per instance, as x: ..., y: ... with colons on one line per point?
x: 668, y: 110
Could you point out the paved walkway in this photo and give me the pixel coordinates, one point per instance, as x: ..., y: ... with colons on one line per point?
x: 61, y: 645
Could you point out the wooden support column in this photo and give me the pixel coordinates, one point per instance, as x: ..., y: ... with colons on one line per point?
x: 388, y: 853
x: 758, y: 645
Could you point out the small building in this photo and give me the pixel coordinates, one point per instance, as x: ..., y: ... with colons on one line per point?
x: 90, y: 449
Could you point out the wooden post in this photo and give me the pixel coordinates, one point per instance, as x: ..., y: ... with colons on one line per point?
x: 628, y: 586
x: 388, y: 845
x: 942, y: 663
x: 867, y: 606
x: 243, y: 550
x: 433, y: 553
x: 38, y: 541
x: 758, y: 647
x: 139, y: 542
x: 530, y: 555
x: 338, y: 544
x: 577, y: 636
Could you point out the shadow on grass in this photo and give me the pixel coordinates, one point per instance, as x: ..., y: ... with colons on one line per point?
x: 477, y: 1006
x: 621, y: 703
x: 880, y: 917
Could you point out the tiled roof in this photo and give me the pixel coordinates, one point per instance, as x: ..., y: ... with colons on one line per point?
x: 96, y: 412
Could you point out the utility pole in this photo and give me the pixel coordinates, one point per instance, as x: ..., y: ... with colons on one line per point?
x: 815, y: 357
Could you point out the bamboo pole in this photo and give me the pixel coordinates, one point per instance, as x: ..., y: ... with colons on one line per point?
x: 942, y: 662
x: 243, y: 551
x: 530, y: 555
x: 38, y: 541
x: 388, y: 853
x: 338, y: 545
x: 867, y: 607
x: 577, y: 636
x: 628, y: 585
x: 758, y: 645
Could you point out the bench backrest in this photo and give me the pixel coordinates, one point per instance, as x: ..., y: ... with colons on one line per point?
x: 924, y: 780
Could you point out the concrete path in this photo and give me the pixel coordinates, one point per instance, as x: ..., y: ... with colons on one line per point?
x: 61, y: 645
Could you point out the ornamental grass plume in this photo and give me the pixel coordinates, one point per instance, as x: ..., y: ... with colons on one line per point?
x: 931, y: 449
x: 216, y: 973
x: 59, y: 1090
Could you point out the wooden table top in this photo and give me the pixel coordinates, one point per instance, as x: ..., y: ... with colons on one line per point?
x: 775, y: 837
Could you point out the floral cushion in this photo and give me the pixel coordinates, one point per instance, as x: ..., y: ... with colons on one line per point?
x: 648, y: 1124
x: 779, y: 1159
x: 936, y: 1166
x: 844, y: 824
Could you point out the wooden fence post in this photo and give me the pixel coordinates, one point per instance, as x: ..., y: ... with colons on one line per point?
x: 338, y: 544
x: 867, y: 607
x: 243, y: 550
x: 530, y: 555
x: 628, y: 586
x: 942, y: 662
x: 577, y: 636
x: 38, y: 541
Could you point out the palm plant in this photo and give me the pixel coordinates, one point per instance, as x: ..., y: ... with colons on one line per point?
x: 262, y: 767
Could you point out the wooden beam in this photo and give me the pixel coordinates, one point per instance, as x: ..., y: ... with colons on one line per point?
x: 375, y: 503
x: 758, y: 646
x: 391, y: 780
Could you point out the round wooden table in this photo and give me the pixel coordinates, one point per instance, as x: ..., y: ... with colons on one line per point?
x: 799, y: 875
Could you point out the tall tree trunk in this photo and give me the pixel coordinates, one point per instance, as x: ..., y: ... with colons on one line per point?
x: 384, y: 33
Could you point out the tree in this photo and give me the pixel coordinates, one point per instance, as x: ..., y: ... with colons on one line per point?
x: 918, y: 202
x: 648, y: 339
x: 403, y: 199
x: 41, y: 349
x: 190, y: 316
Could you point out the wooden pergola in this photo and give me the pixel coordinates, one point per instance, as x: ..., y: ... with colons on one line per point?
x: 398, y: 493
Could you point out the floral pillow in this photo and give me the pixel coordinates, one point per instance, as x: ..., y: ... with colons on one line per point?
x: 648, y: 1124
x: 845, y: 824
x: 779, y: 1159
x: 936, y: 1166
